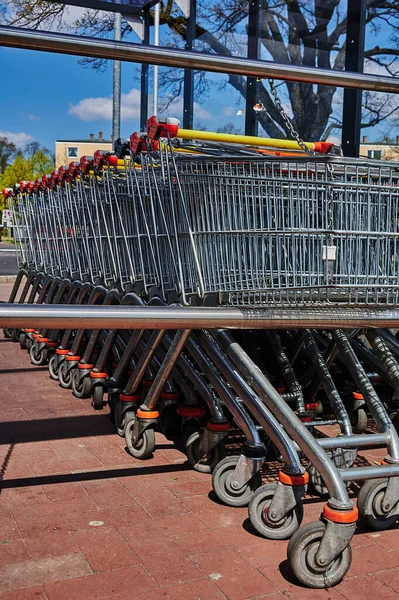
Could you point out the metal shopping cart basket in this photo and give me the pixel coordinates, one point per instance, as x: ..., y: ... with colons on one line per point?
x: 288, y: 231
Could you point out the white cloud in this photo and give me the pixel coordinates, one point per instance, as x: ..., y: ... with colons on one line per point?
x: 31, y: 116
x: 19, y: 139
x: 100, y: 108
x: 97, y: 109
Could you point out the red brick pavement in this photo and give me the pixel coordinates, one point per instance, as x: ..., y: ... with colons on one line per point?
x: 80, y: 518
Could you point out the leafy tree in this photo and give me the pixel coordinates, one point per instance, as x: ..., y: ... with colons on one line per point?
x: 26, y: 169
x: 33, y: 148
x: 298, y: 32
x: 7, y: 152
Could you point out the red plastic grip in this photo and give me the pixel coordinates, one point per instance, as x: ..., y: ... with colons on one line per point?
x: 136, y: 143
x: 86, y: 163
x: 158, y: 128
x: 103, y: 157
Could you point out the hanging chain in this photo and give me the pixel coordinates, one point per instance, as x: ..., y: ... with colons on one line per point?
x: 294, y: 134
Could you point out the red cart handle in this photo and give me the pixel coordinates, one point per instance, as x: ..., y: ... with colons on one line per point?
x: 103, y: 157
x: 86, y: 163
x: 157, y: 128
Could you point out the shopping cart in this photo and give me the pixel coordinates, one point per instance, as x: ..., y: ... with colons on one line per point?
x: 205, y: 223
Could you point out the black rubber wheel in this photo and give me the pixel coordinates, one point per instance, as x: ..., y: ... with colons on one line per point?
x: 15, y: 335
x: 119, y: 420
x: 7, y: 332
x: 53, y: 367
x: 301, y: 553
x: 37, y: 356
x: 273, y: 530
x: 97, y: 397
x: 64, y: 376
x: 205, y: 464
x: 369, y: 503
x: 22, y: 340
x: 221, y: 483
x: 81, y: 388
x: 28, y: 343
x: 359, y: 420
x: 145, y: 445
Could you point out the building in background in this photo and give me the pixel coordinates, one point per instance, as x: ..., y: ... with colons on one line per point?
x: 386, y: 150
x: 67, y: 151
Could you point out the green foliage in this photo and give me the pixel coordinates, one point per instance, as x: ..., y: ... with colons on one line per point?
x: 25, y: 169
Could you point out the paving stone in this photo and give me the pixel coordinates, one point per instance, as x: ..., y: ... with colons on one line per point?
x: 105, y: 549
x: 234, y: 576
x: 81, y: 518
x: 33, y: 572
x: 102, y: 586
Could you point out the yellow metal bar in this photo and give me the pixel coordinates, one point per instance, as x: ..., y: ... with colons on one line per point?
x: 246, y: 140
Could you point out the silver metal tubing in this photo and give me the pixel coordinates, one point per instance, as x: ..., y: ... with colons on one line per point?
x: 166, y: 368
x: 386, y: 357
x: 15, y: 37
x: 144, y: 360
x: 370, y: 440
x: 225, y: 393
x: 326, y: 381
x: 253, y: 404
x: 187, y: 317
x: 320, y: 423
x: 374, y: 404
x: 290, y: 422
x: 372, y: 472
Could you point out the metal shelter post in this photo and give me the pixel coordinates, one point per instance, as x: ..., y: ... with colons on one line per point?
x: 116, y: 94
x: 354, y: 58
x: 251, y: 124
x: 188, y: 94
x: 144, y: 74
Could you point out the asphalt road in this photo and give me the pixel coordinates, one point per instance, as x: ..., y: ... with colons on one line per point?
x: 8, y: 259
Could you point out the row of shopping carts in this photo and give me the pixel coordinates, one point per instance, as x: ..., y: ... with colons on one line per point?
x: 167, y: 220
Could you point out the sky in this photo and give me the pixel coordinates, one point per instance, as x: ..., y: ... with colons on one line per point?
x: 48, y: 96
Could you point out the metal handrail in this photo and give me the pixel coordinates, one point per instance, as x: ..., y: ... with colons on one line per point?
x: 15, y: 37
x: 187, y: 317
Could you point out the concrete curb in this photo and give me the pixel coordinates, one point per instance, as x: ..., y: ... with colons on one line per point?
x: 7, y: 278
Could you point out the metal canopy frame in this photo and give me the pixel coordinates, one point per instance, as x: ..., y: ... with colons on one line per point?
x: 132, y: 7
x: 352, y: 79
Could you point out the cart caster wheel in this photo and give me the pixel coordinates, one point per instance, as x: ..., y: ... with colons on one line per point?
x: 65, y: 376
x: 22, y: 340
x: 145, y: 446
x: 395, y: 420
x: 359, y: 420
x: 7, y: 332
x: 81, y: 388
x: 221, y: 483
x: 189, y: 428
x: 38, y: 357
x: 369, y: 503
x: 120, y: 422
x: 15, y: 335
x: 53, y: 367
x: 97, y: 395
x: 203, y: 464
x: 258, y: 509
x: 301, y: 553
x: 28, y: 344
